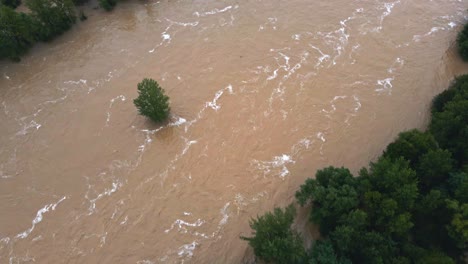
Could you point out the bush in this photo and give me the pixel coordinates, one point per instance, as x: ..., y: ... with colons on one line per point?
x: 323, y: 253
x: 17, y: 34
x: 151, y: 101
x: 55, y: 16
x: 333, y: 195
x: 449, y: 123
x: 108, y: 5
x: 11, y: 3
x: 462, y: 42
x: 411, y: 145
x: 79, y: 2
x: 273, y: 239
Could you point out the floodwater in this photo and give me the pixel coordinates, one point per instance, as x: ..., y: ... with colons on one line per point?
x: 263, y: 93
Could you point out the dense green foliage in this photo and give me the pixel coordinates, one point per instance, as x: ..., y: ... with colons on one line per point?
x: 274, y: 240
x: 151, y: 101
x: 450, y: 120
x: 79, y: 2
x: 10, y: 3
x: 46, y: 20
x: 410, y: 206
x: 17, y: 34
x: 54, y: 16
x: 108, y: 5
x: 462, y: 42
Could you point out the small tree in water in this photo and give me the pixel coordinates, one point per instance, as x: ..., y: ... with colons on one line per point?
x: 151, y: 101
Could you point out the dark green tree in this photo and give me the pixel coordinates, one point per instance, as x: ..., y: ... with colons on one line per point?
x: 411, y: 145
x: 16, y: 34
x: 54, y: 16
x: 273, y: 240
x: 333, y: 194
x: 462, y: 43
x: 108, y: 5
x: 323, y: 253
x: 434, y: 168
x: 11, y: 3
x: 390, y: 189
x: 430, y: 217
x: 152, y: 101
x: 458, y: 226
x: 80, y: 2
x: 458, y: 186
x: 449, y: 124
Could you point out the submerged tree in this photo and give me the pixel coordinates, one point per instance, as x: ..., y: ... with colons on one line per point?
x: 273, y: 239
x: 333, y: 194
x: 16, y: 34
x: 462, y: 42
x: 152, y: 101
x: 55, y: 16
x: 108, y: 5
x: 11, y: 3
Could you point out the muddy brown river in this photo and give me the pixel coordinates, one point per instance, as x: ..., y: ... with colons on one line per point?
x: 263, y: 93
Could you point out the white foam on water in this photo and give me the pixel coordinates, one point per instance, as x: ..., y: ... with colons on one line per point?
x: 183, y: 24
x: 323, y: 57
x: 39, y: 237
x: 213, y: 104
x: 187, y: 250
x: 182, y: 225
x: 385, y: 85
x: 271, y: 21
x: 39, y: 217
x: 145, y: 261
x: 187, y: 146
x: 5, y: 240
x: 358, y: 103
x: 116, y: 185
x: 179, y: 121
x: 398, y: 64
x: 452, y: 24
x: 321, y: 136
x: 31, y: 125
x: 277, y: 165
x: 417, y: 38
x: 225, y: 214
x: 332, y: 104
x: 215, y: 11
x: 80, y: 81
x: 122, y: 98
x: 388, y: 10
x: 124, y: 221
x: 102, y: 240
x: 18, y: 260
x: 166, y: 37
x: 210, y: 104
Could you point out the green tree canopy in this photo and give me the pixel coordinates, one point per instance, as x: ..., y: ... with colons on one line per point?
x: 54, y: 16
x: 333, y: 194
x: 152, y: 101
x: 273, y: 239
x: 462, y: 43
x: 411, y: 145
x: 10, y: 3
x: 108, y: 5
x: 449, y: 123
x: 323, y: 253
x: 16, y: 34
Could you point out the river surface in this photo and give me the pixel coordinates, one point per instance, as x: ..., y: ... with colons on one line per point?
x: 263, y: 93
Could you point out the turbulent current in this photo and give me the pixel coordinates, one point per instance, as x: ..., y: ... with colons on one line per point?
x: 263, y: 93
